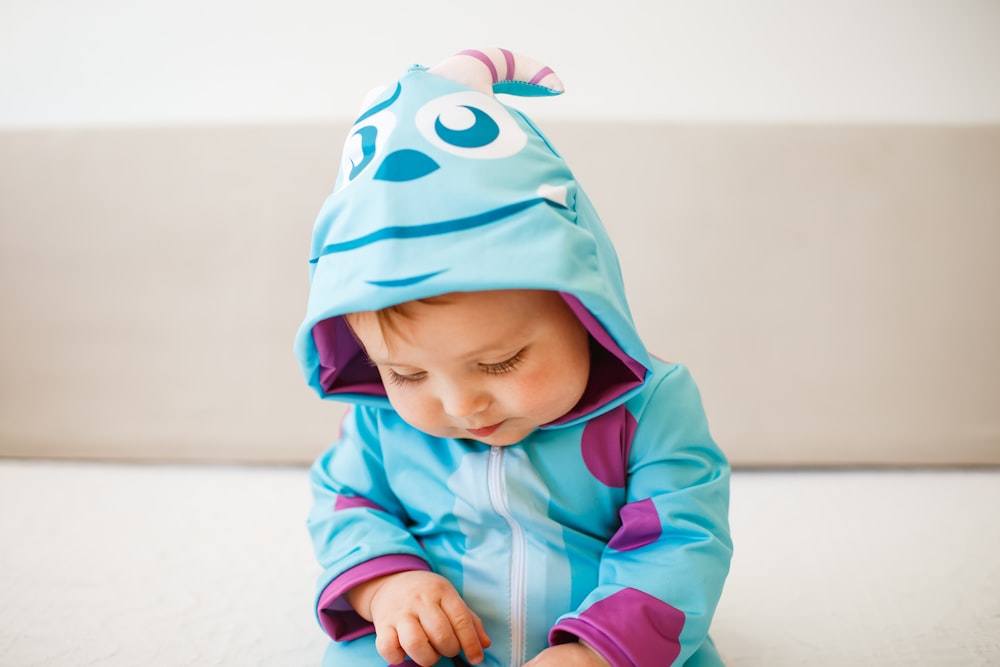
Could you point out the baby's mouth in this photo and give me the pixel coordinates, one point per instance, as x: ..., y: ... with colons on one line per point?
x: 484, y: 432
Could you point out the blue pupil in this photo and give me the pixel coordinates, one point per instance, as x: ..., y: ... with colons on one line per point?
x: 482, y: 132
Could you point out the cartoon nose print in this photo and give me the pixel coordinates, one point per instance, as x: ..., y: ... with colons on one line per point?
x: 405, y: 165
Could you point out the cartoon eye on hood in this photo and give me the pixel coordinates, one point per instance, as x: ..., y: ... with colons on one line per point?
x: 465, y: 124
x: 368, y: 137
x: 469, y: 125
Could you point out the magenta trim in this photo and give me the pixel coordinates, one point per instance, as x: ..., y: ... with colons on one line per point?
x: 484, y: 59
x: 337, y: 618
x: 597, y: 330
x: 542, y: 73
x: 572, y: 630
x: 613, y: 373
x: 344, y: 367
x: 508, y: 59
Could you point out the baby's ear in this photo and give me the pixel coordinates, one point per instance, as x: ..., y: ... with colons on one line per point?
x: 495, y: 70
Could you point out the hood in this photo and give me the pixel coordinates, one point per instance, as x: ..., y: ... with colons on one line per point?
x: 443, y: 188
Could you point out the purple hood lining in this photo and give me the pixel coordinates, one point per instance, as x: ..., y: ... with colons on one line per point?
x: 344, y: 368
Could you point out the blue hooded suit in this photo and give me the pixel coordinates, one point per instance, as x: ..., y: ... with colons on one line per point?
x: 608, y: 524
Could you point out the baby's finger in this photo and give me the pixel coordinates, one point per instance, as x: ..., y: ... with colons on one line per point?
x: 468, y: 629
x: 387, y: 645
x: 439, y: 631
x: 414, y: 641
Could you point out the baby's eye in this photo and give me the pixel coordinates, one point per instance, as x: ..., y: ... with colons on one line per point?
x: 506, y: 366
x: 471, y: 125
x: 402, y: 378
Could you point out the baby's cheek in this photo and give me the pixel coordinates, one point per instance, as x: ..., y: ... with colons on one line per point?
x: 412, y: 408
x: 550, y: 395
x: 531, y: 388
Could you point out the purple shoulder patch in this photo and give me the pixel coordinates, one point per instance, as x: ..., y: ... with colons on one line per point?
x: 606, y: 442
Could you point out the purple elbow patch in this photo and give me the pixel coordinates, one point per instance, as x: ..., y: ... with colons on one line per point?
x: 606, y: 442
x: 628, y: 628
x: 640, y: 526
x: 350, y: 502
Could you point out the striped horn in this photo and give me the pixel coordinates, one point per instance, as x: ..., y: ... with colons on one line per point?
x: 496, y: 70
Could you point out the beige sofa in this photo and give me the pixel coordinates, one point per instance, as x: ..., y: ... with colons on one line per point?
x: 834, y: 289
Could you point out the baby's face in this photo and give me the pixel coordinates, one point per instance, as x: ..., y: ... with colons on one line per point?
x: 491, y: 366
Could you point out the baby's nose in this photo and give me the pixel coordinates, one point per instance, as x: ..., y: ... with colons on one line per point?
x: 464, y: 402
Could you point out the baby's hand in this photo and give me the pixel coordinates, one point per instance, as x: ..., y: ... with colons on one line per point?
x: 421, y: 615
x: 574, y: 654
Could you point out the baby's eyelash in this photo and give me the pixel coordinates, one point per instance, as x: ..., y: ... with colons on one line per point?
x: 400, y: 380
x: 505, y: 366
x: 499, y: 368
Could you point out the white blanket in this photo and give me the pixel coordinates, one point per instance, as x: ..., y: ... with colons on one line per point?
x: 123, y: 565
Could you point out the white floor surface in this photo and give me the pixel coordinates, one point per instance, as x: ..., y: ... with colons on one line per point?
x: 123, y: 565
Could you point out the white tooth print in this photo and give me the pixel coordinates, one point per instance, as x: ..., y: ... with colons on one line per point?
x: 558, y: 194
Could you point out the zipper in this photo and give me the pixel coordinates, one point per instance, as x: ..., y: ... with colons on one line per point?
x: 518, y: 576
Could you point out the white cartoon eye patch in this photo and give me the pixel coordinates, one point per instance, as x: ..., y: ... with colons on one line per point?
x: 470, y: 125
x: 365, y: 141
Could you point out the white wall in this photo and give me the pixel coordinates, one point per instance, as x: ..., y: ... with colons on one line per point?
x: 834, y: 287
x: 153, y: 62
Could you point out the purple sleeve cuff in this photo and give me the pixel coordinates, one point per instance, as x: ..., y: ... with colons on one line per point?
x: 629, y: 628
x: 336, y: 616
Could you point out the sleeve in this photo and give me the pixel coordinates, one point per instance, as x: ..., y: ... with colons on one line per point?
x: 357, y: 525
x: 661, y: 574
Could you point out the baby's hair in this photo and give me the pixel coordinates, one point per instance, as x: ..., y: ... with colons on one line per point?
x: 388, y: 318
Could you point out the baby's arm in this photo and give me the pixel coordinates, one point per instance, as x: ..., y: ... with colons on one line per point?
x: 662, y: 573
x: 421, y: 615
x: 358, y: 526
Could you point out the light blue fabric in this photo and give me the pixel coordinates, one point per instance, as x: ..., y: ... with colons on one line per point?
x: 609, y: 525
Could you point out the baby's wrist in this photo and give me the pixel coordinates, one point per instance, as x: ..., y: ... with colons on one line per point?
x: 361, y: 596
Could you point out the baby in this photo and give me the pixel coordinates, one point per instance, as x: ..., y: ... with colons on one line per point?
x: 517, y: 482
